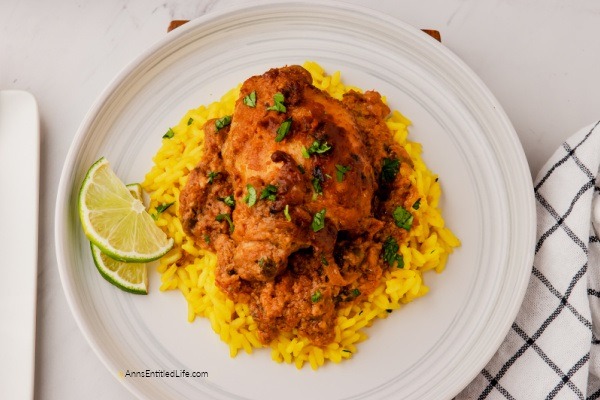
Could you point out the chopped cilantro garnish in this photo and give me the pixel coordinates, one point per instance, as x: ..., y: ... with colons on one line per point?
x: 227, y: 218
x: 416, y: 204
x: 317, y: 148
x: 169, y: 134
x: 223, y: 122
x: 316, y: 182
x: 212, y: 175
x: 389, y: 169
x: 283, y: 129
x: 390, y: 252
x: 190, y: 121
x: 286, y: 212
x: 305, y: 152
x: 269, y: 193
x: 316, y: 296
x: 206, y: 238
x: 324, y: 261
x: 250, y: 100
x: 402, y: 218
x: 278, y: 106
x: 161, y: 209
x: 318, y: 222
x: 250, y: 197
x: 400, y: 260
x: 340, y: 171
x: 229, y: 200
x: 355, y: 292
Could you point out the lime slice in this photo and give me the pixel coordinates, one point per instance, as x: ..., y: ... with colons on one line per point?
x: 130, y: 277
x: 115, y: 221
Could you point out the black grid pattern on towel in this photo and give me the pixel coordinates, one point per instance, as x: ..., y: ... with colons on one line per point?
x: 495, y: 381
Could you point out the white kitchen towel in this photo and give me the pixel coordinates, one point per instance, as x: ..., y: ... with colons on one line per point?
x: 552, y: 348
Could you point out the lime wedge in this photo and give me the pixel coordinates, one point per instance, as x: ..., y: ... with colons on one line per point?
x: 115, y: 221
x: 130, y: 277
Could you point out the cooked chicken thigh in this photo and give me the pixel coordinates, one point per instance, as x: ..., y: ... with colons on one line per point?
x: 290, y: 194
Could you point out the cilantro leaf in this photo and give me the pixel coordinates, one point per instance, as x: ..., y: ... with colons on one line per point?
x: 278, y: 99
x: 318, y: 221
x: 283, y: 129
x: 390, y: 252
x: 402, y: 218
x: 226, y: 217
x: 229, y: 200
x: 318, y: 148
x: 305, y: 152
x: 169, y: 134
x: 269, y: 193
x: 416, y: 204
x: 340, y: 171
x: 389, y: 169
x: 317, y: 186
x: 161, y: 209
x: 316, y: 296
x: 250, y: 99
x: 250, y: 197
x: 223, y: 122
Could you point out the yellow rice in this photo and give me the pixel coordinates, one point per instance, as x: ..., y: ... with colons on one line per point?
x: 428, y: 247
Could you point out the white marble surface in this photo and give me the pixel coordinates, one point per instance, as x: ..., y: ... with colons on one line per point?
x: 539, y: 57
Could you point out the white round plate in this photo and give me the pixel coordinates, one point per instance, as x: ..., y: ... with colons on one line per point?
x: 429, y: 349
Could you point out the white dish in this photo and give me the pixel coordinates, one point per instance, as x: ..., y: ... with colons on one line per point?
x: 432, y: 347
x: 19, y: 180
